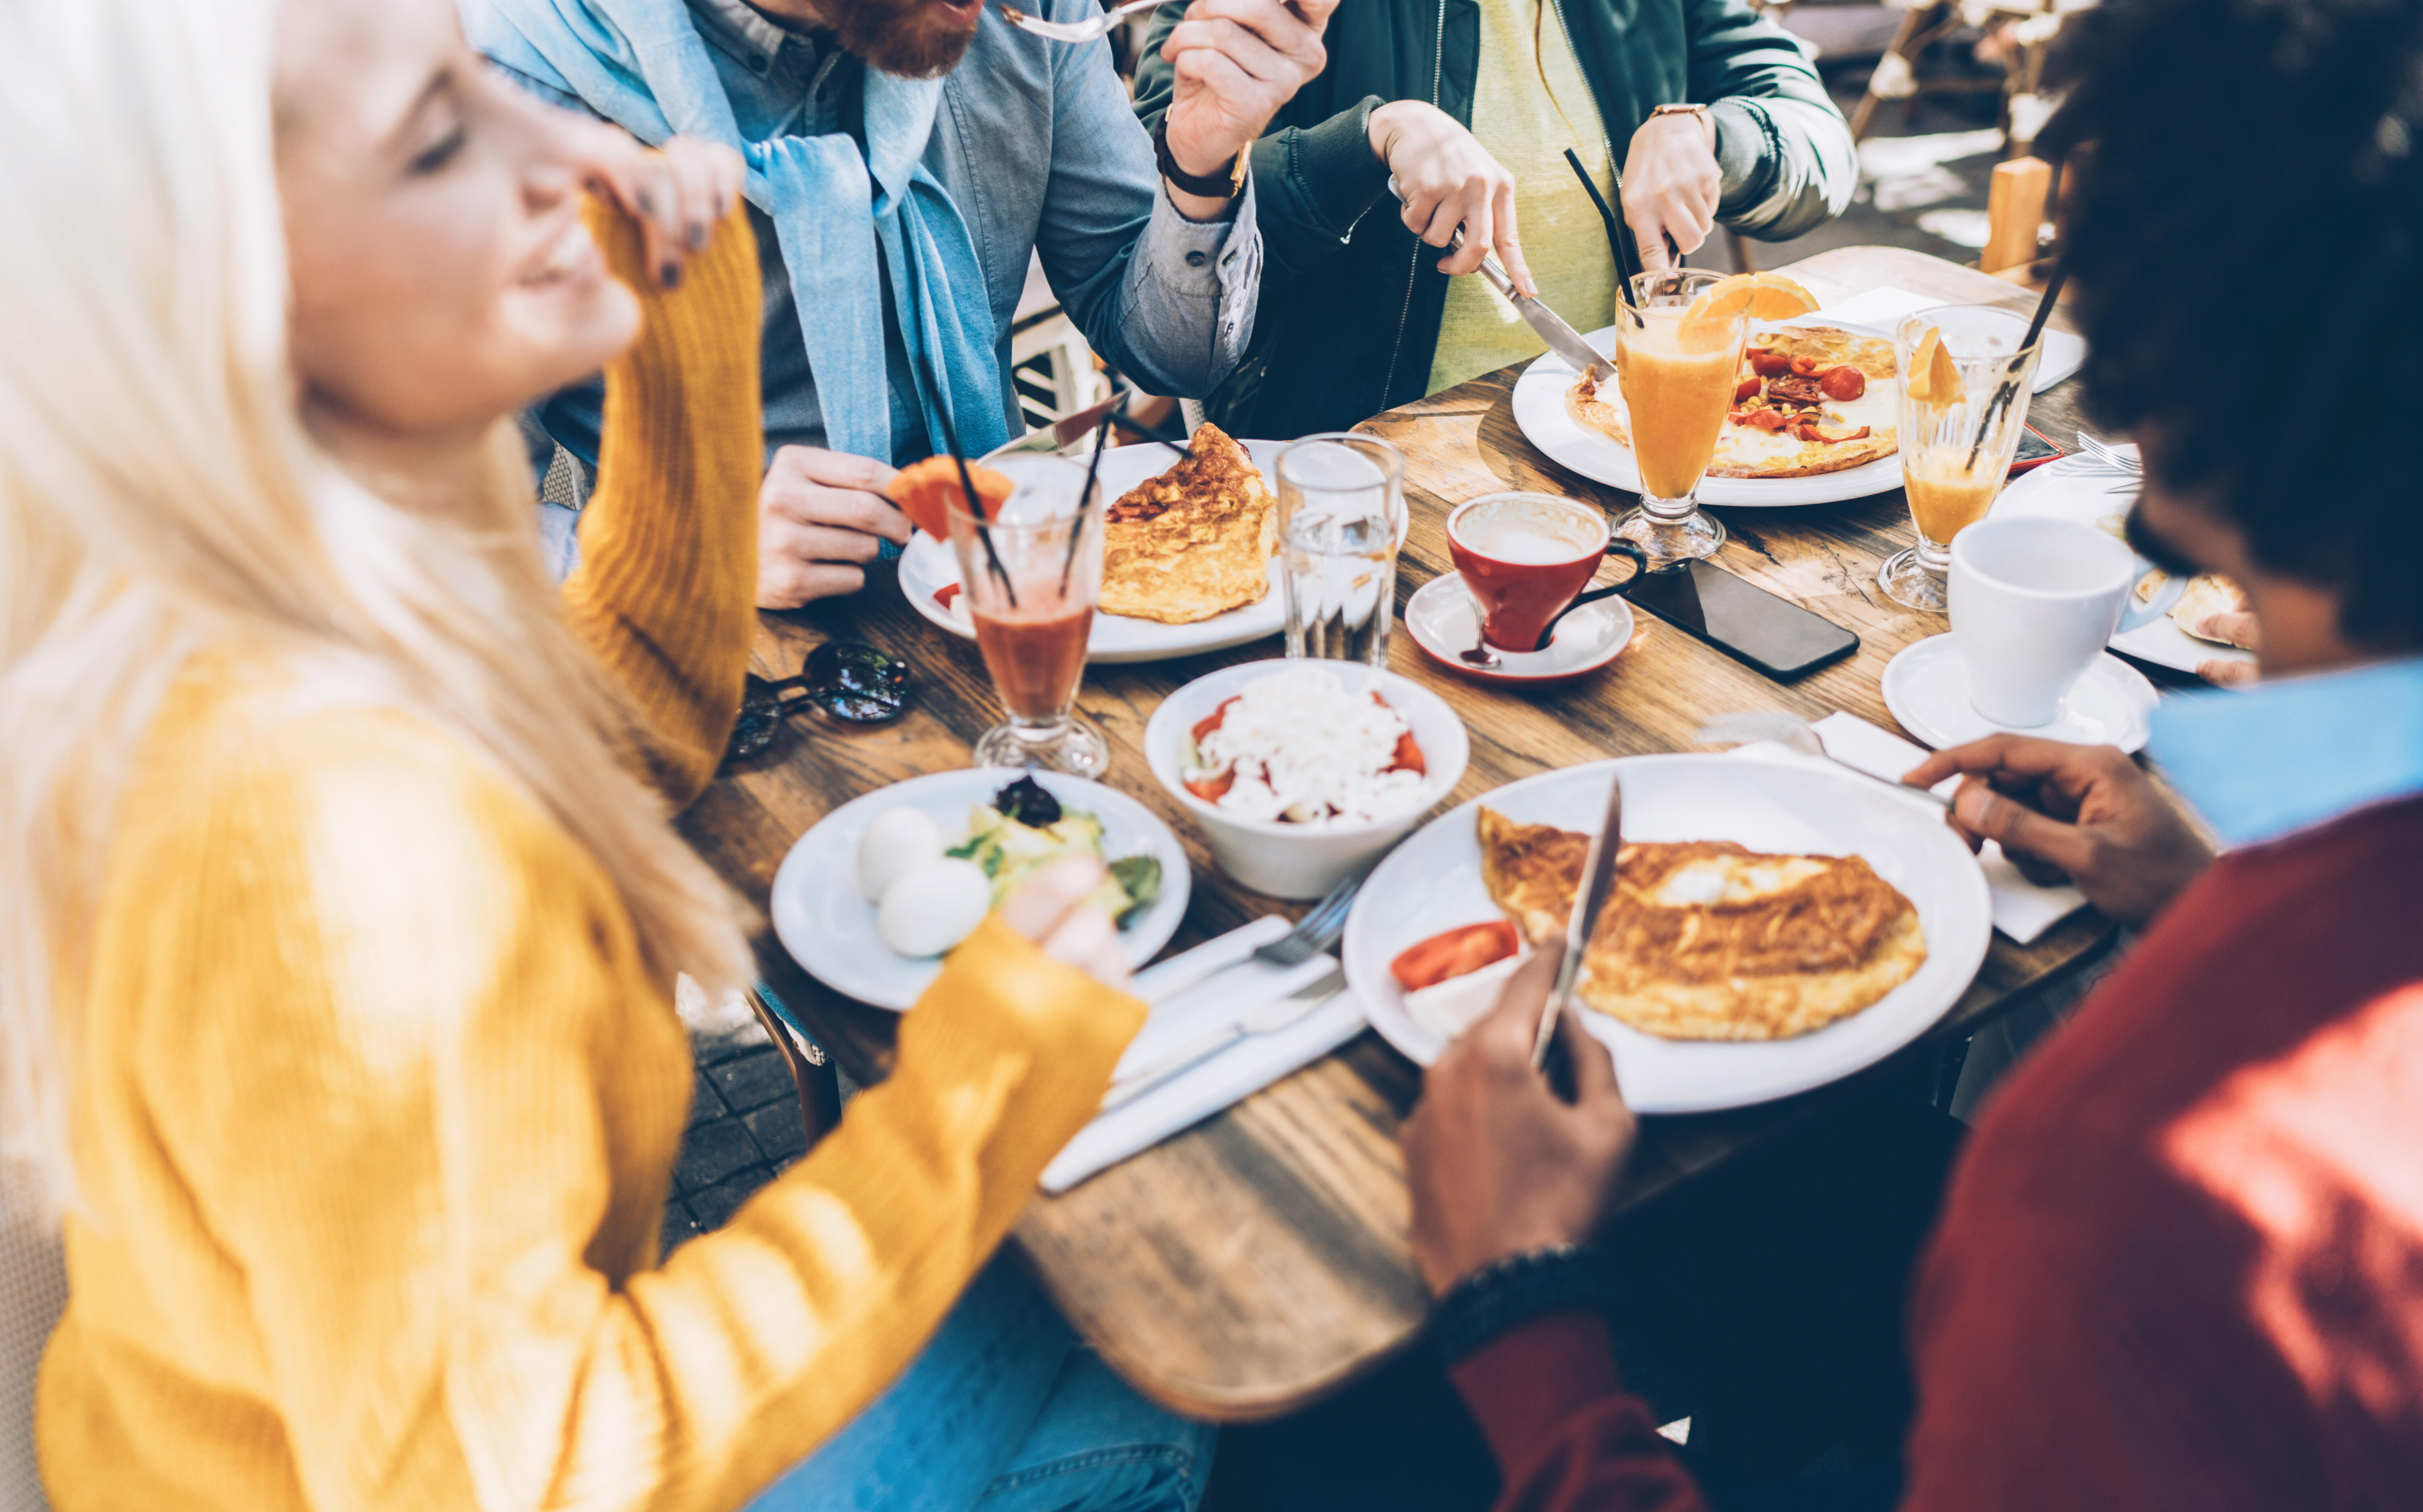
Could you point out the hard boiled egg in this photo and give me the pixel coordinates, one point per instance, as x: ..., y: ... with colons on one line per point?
x: 933, y: 907
x: 899, y: 841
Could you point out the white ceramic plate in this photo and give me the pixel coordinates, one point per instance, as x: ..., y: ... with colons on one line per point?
x: 1443, y: 622
x: 929, y: 564
x: 1926, y: 687
x: 1540, y: 410
x: 1433, y: 882
x: 830, y: 930
x: 2074, y: 489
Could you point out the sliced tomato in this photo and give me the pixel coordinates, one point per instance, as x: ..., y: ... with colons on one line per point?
x: 1213, y: 721
x: 947, y: 592
x: 1816, y: 435
x: 1768, y: 420
x: 1456, y: 953
x: 1409, y: 756
x: 1769, y: 364
x: 1212, y: 789
x: 1748, y: 389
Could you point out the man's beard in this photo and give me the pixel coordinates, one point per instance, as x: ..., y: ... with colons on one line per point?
x: 906, y: 38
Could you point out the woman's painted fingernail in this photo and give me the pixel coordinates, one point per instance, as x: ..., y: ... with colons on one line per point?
x: 647, y: 204
x: 697, y: 236
x: 670, y: 275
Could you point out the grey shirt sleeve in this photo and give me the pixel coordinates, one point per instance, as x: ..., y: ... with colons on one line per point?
x: 1167, y: 300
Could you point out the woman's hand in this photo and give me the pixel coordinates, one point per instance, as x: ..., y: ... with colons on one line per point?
x: 1448, y: 180
x: 1050, y: 909
x: 1498, y: 1164
x: 2236, y: 627
x: 1672, y: 185
x: 2082, y: 814
x: 678, y: 195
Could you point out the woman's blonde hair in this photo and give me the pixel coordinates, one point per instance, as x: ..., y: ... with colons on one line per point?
x: 160, y: 494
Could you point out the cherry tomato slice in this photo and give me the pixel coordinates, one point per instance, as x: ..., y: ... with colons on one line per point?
x: 1454, y: 953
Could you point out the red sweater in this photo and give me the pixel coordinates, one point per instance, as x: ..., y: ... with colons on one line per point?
x: 2181, y: 1264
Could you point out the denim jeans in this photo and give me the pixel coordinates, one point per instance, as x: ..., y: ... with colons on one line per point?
x: 1006, y: 1412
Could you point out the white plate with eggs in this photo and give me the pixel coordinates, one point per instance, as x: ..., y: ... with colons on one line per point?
x: 826, y: 921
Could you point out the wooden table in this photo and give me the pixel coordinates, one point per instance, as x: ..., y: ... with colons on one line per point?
x: 1254, y: 1263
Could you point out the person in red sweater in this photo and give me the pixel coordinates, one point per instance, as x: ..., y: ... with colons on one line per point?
x: 2181, y: 1261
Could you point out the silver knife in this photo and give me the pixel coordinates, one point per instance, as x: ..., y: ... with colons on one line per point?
x: 1550, y: 327
x: 1062, y: 434
x: 1598, y: 880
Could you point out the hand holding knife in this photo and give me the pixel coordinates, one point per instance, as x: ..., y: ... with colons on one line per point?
x: 1551, y: 327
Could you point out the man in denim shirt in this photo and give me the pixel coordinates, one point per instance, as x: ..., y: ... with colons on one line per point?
x: 1024, y: 147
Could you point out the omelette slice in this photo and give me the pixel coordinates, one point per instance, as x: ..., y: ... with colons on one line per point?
x: 1193, y: 542
x: 1707, y: 939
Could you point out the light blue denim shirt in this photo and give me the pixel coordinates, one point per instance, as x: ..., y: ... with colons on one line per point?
x: 1036, y: 145
x: 2287, y: 756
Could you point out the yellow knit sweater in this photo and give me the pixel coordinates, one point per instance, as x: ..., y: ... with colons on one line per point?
x: 377, y: 1102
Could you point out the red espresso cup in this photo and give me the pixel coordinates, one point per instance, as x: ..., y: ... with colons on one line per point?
x: 1525, y: 558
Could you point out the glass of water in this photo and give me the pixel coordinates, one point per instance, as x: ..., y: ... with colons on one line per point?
x: 1341, y: 503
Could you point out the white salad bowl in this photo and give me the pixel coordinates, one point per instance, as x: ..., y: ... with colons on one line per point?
x: 1299, y: 861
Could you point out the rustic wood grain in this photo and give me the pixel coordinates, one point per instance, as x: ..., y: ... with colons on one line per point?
x: 1259, y: 1260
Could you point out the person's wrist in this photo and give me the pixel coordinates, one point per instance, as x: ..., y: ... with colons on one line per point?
x: 1195, y: 156
x: 1512, y: 1290
x: 1387, y: 124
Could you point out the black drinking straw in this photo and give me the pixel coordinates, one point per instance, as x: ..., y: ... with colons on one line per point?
x: 967, y: 489
x: 2010, y: 387
x: 1615, y: 229
x: 1084, y: 497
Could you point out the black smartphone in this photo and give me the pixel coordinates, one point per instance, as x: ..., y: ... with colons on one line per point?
x: 2035, y: 451
x: 1743, y: 620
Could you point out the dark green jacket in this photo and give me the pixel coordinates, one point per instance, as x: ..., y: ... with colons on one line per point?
x: 1350, y: 307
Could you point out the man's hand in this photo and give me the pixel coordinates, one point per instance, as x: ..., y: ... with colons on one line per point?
x: 678, y: 195
x: 1498, y: 1164
x: 820, y: 518
x: 1234, y: 63
x: 1672, y: 185
x: 1050, y: 909
x: 1449, y: 180
x: 2081, y: 814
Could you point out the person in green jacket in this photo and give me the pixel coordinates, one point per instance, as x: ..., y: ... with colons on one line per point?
x: 1471, y: 104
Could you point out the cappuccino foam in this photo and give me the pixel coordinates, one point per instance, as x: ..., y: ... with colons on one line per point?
x: 1530, y: 530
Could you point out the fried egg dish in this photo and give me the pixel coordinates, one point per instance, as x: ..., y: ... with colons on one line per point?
x: 1708, y: 939
x: 1193, y: 542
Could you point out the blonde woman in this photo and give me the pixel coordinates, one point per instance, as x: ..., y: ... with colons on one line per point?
x: 335, y: 1018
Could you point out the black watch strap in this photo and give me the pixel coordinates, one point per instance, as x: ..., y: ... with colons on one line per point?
x: 1212, y: 187
x: 1563, y: 1278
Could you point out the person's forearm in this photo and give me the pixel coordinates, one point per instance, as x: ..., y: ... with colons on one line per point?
x: 664, y: 594
x: 1188, y: 299
x: 1787, y: 166
x: 1565, y: 1434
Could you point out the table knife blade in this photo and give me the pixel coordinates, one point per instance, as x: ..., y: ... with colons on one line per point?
x: 1546, y: 324
x: 1598, y: 880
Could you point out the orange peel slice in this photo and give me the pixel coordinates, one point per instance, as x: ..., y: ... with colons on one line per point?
x: 1764, y: 296
x: 1933, y: 377
x: 927, y: 490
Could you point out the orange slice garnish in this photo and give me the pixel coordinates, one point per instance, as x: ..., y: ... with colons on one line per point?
x: 1933, y: 378
x: 927, y: 490
x: 1764, y: 296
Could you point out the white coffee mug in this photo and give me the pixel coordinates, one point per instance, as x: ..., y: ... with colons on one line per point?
x: 2032, y: 602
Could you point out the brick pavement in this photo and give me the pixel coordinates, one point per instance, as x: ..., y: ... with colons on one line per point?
x: 744, y: 1130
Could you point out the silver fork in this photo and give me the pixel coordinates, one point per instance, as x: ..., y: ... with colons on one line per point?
x: 1075, y: 31
x: 1315, y: 932
x: 2118, y: 461
x: 1793, y: 733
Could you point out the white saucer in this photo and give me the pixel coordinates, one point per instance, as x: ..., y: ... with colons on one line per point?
x: 1926, y: 687
x: 1444, y: 624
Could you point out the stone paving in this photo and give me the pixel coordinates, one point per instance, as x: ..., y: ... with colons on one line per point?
x: 744, y: 1129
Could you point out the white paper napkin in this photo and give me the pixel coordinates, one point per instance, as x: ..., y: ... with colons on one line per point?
x: 1232, y: 1074
x: 1878, y: 309
x: 2022, y: 910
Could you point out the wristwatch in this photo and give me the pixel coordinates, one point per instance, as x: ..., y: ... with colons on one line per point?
x: 1213, y: 186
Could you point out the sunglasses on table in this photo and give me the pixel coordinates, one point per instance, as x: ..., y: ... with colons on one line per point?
x: 847, y: 680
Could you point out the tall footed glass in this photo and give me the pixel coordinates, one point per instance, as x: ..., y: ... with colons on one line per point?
x: 1964, y: 405
x: 1677, y: 361
x: 1033, y: 572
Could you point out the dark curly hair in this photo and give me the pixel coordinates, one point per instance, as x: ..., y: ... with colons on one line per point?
x: 2214, y: 149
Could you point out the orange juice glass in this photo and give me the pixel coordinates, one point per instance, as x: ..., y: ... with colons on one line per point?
x: 1957, y: 437
x: 1677, y: 374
